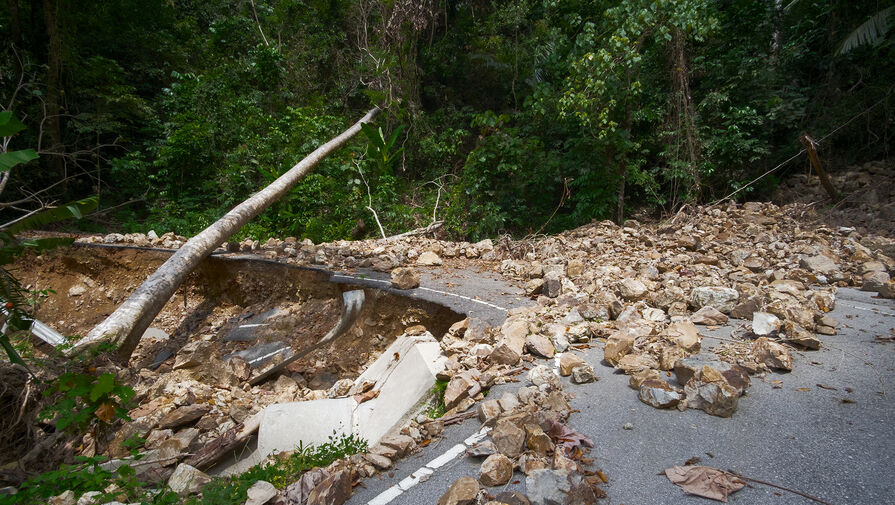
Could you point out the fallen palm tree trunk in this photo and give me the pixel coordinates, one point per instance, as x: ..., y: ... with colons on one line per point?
x: 126, y: 325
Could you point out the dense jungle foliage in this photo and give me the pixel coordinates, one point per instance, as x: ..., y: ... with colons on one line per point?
x: 518, y: 116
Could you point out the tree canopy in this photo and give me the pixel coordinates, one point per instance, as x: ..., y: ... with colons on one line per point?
x: 500, y: 117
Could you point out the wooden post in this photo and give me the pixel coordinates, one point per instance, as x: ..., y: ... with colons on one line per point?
x: 811, y: 147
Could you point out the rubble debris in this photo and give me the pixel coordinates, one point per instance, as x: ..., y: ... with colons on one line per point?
x: 463, y: 491
x: 496, y: 470
x: 773, y: 355
x: 659, y: 394
x: 405, y: 278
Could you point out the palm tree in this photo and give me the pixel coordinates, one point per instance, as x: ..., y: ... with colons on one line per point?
x: 871, y: 31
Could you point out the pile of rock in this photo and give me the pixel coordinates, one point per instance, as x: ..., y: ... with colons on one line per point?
x: 529, y: 435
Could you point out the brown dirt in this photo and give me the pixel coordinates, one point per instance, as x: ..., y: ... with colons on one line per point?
x: 90, y: 282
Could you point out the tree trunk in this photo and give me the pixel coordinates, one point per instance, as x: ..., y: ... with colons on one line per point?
x: 54, y: 77
x: 15, y: 24
x: 126, y: 325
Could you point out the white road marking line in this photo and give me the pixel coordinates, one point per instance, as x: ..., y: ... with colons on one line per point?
x: 253, y: 325
x: 451, y: 454
x: 386, y: 496
x: 498, y: 307
x: 871, y: 309
x: 426, y: 471
x: 445, y: 293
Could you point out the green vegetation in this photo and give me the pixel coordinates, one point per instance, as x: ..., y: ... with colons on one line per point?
x: 498, y: 113
x: 436, y: 407
x: 123, y: 485
x: 81, y: 399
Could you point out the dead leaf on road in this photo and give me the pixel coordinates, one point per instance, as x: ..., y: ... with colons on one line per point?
x: 705, y: 481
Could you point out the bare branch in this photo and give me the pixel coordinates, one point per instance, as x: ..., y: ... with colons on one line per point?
x: 369, y: 198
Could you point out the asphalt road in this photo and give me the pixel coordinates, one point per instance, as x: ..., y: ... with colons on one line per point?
x: 798, y: 435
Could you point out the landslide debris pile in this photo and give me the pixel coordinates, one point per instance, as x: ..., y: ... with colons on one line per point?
x: 641, y: 290
x: 868, y: 192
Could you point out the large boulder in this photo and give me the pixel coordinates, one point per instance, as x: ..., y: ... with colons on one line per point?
x: 721, y: 298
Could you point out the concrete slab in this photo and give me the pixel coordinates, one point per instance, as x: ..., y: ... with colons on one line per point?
x: 402, y: 386
x: 286, y: 425
x: 404, y: 375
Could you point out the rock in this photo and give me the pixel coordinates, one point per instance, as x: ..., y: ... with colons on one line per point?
x: 482, y: 449
x: 332, y: 490
x: 405, y: 278
x: 764, y: 323
x: 632, y: 289
x: 633, y: 363
x: 260, y: 493
x: 183, y: 415
x: 460, y: 386
x: 66, y: 498
x: 512, y: 498
x: 508, y: 438
x: 874, y: 281
x: 547, y: 487
x: 617, y: 346
x: 773, y: 355
x: 709, y: 316
x: 721, y: 298
x: 77, y: 290
x: 745, y: 309
x: 888, y: 290
x: 539, y: 345
x: 543, y: 376
x: 187, y: 480
x: 561, y: 462
x: 298, y: 491
x: 711, y: 392
x: 659, y: 394
x: 755, y: 264
x: 496, y: 470
x: 575, y: 268
x: 683, y: 334
x: 552, y: 284
x: 582, y: 493
x: 583, y: 374
x: 378, y: 460
x: 89, y: 498
x: 403, y: 444
x: 428, y: 259
x: 529, y: 462
x: 819, y: 264
x: 642, y: 376
x: 567, y: 362
x: 488, y: 411
x: 534, y: 287
x: 340, y: 388
x: 735, y: 375
x: 194, y: 354
x: 537, y: 441
x: 463, y: 491
x: 800, y: 336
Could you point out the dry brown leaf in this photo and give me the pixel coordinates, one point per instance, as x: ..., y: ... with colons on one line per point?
x: 105, y: 412
x: 705, y: 481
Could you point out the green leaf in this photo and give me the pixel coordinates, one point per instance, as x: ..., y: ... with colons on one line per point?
x: 13, y: 158
x: 103, y: 386
x: 9, y: 124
